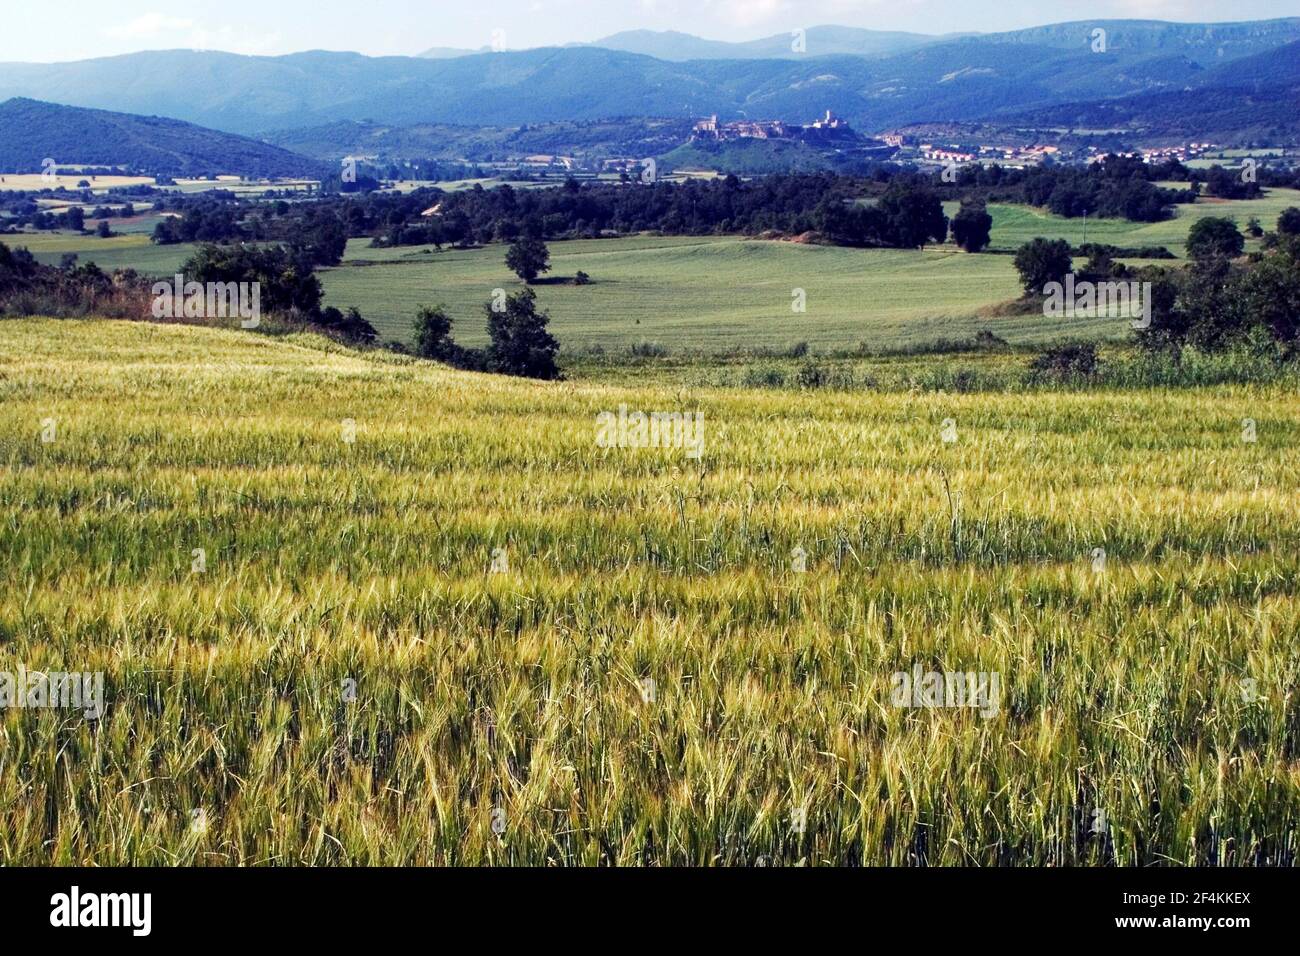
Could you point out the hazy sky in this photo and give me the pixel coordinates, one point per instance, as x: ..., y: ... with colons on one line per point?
x: 76, y: 29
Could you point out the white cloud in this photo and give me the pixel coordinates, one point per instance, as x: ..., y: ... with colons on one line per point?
x: 191, y: 34
x: 745, y: 13
x: 233, y: 40
x: 149, y: 25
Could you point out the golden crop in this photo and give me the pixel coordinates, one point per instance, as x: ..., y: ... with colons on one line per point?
x: 346, y: 682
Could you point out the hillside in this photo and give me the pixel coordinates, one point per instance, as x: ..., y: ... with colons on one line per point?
x: 756, y: 157
x: 1219, y: 115
x: 1252, y: 98
x: 615, y: 137
x: 149, y: 144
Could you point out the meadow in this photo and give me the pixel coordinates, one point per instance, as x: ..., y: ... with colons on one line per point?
x: 649, y: 679
x: 714, y: 294
x: 1015, y: 225
x: 129, y: 250
x: 724, y: 293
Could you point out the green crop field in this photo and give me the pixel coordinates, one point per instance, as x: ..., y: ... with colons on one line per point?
x: 683, y: 293
x: 716, y: 294
x: 278, y: 552
x: 720, y: 293
x: 1013, y: 226
x: 131, y: 250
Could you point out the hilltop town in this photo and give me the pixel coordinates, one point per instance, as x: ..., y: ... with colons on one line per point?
x: 827, y: 127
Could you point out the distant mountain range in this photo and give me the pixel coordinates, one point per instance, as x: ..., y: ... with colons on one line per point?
x: 680, y: 47
x: 876, y: 80
x: 1202, y: 43
x: 1255, y: 98
x: 34, y: 131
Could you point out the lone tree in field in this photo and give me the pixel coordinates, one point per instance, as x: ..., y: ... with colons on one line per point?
x: 1214, y: 238
x: 433, y: 334
x: 520, y: 343
x: 1041, y: 261
x: 971, y: 227
x: 528, y: 258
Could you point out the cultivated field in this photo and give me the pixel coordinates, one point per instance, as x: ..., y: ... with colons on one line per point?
x: 129, y: 250
x: 1013, y: 226
x: 714, y: 294
x: 30, y: 182
x: 1147, y: 712
x: 683, y: 293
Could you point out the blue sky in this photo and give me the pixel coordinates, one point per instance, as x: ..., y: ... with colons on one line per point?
x: 76, y: 29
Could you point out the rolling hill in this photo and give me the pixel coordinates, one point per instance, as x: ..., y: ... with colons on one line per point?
x: 149, y: 144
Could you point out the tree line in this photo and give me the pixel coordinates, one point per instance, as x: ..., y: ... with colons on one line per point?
x: 1221, y: 300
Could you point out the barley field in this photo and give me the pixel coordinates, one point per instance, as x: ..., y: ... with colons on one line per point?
x: 358, y: 609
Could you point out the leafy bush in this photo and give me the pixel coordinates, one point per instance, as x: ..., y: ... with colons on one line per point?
x: 811, y: 375
x: 1288, y: 223
x: 764, y: 377
x: 348, y: 326
x: 647, y: 350
x: 1068, y: 362
x: 287, y: 285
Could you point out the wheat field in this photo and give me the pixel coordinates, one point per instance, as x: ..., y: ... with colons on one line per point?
x: 358, y: 609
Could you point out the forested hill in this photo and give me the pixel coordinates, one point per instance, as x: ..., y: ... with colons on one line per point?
x: 34, y: 131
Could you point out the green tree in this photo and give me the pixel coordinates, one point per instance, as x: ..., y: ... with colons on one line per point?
x: 528, y: 258
x: 1214, y: 238
x: 1041, y: 261
x: 913, y: 217
x: 1270, y: 293
x: 286, y: 285
x: 433, y: 334
x: 520, y: 343
x: 971, y: 227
